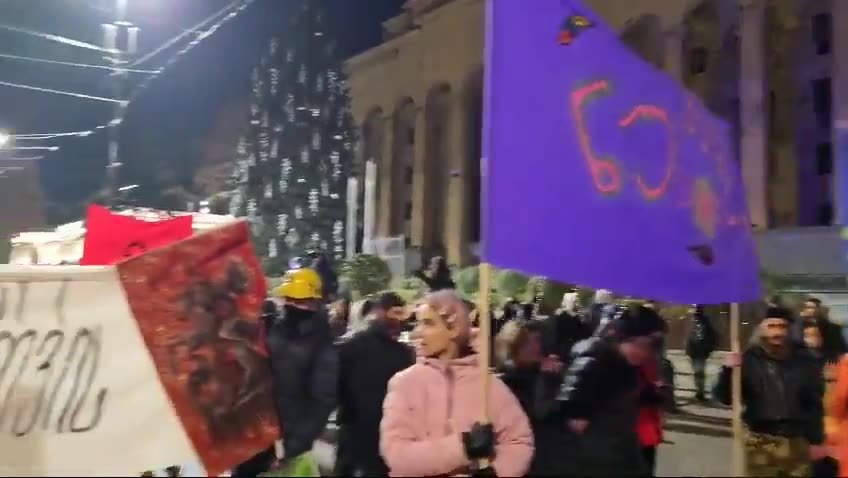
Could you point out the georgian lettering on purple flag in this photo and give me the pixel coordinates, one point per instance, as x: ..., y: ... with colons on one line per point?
x: 602, y: 170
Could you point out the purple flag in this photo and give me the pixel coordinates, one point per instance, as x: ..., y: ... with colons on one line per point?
x: 602, y: 170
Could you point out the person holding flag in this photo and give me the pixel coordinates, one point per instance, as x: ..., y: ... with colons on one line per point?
x: 431, y: 415
x: 782, y: 389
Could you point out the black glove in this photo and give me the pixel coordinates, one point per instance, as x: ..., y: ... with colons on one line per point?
x: 479, y: 442
x: 487, y: 472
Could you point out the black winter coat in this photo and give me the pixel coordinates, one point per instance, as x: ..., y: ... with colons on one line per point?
x: 703, y: 337
x: 779, y: 397
x: 537, y: 392
x: 304, y: 367
x: 602, y: 388
x: 562, y: 331
x: 368, y: 359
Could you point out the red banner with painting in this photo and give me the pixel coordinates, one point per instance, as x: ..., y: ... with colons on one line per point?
x: 198, y: 307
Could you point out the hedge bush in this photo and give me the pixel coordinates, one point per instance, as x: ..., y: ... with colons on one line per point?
x: 364, y: 275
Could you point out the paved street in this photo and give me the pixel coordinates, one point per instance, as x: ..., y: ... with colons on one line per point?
x: 697, y: 439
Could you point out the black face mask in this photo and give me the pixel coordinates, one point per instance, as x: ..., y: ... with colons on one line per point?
x: 296, y: 315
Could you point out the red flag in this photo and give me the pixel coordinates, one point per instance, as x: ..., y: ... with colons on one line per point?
x: 198, y: 306
x: 111, y: 238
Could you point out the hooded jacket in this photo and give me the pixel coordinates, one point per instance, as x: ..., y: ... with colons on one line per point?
x: 429, y: 405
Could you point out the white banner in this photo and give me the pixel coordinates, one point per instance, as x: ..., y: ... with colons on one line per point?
x: 79, y: 392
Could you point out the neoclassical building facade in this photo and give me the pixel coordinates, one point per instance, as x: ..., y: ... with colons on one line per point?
x: 776, y: 70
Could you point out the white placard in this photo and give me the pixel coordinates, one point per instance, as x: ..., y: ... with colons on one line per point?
x: 79, y: 393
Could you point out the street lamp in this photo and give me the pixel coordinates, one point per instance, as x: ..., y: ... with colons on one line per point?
x: 4, y: 138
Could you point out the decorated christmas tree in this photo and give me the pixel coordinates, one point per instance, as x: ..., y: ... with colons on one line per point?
x: 294, y: 158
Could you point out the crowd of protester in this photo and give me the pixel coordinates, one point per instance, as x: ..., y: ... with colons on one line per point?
x: 581, y: 391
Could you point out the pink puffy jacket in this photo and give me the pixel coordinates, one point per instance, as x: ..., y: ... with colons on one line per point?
x: 430, y: 404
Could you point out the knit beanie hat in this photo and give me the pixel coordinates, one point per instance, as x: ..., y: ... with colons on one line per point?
x: 635, y: 321
x: 777, y: 312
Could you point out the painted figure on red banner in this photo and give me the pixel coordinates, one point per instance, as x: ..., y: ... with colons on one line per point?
x: 219, y: 337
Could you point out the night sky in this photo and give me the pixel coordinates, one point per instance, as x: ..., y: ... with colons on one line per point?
x: 179, y: 106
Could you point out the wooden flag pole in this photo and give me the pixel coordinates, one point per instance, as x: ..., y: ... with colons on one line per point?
x: 736, y: 398
x: 484, y: 334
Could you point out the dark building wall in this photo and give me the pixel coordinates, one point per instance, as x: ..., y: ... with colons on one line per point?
x: 21, y: 202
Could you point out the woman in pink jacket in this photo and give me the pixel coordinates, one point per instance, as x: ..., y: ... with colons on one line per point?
x: 432, y: 410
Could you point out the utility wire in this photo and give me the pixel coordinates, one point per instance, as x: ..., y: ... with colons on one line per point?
x: 42, y: 136
x: 142, y: 87
x: 194, y: 29
x: 55, y: 38
x: 28, y: 158
x: 76, y: 65
x: 59, y: 92
x: 31, y: 148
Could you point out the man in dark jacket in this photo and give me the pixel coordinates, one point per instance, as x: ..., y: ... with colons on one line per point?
x: 701, y: 343
x: 368, y: 359
x: 781, y: 398
x: 304, y: 363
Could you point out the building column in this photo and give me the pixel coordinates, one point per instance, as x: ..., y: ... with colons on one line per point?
x: 457, y: 211
x: 673, y: 44
x: 387, y: 187
x: 753, y: 88
x: 839, y: 82
x: 419, y: 180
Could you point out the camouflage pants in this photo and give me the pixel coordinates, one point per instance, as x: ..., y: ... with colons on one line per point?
x: 770, y: 455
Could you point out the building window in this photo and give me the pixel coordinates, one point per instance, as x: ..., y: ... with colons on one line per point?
x: 824, y: 159
x: 822, y: 102
x: 410, y: 136
x: 825, y: 216
x: 822, y: 34
x: 698, y: 61
x: 408, y: 173
x: 407, y: 214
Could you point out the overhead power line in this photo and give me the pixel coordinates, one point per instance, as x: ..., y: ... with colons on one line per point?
x: 142, y: 87
x: 192, y: 30
x: 43, y: 136
x: 55, y: 38
x: 59, y: 92
x: 76, y: 65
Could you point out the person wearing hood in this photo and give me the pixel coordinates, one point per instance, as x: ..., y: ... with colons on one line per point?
x: 602, y: 393
x: 368, y: 359
x: 432, y: 413
x: 700, y: 344
x: 304, y: 363
x: 782, y: 389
